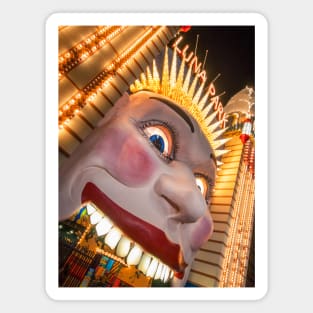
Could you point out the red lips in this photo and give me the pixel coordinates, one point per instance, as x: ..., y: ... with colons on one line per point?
x: 151, y: 239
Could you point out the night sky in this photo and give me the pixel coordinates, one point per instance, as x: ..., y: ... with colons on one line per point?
x: 230, y: 53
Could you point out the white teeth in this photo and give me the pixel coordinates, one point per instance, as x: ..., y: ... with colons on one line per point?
x: 90, y: 208
x: 103, y: 226
x: 134, y: 256
x: 159, y: 271
x: 163, y: 272
x: 166, y: 274
x: 112, y: 238
x: 171, y: 274
x: 152, y: 268
x: 144, y: 263
x: 147, y: 264
x: 123, y: 247
x: 95, y: 218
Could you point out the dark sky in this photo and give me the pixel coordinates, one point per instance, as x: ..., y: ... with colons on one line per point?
x: 230, y: 52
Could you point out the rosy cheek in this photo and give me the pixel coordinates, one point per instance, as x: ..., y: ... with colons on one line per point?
x: 126, y: 159
x: 135, y: 164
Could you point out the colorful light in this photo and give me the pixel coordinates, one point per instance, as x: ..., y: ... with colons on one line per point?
x: 185, y: 29
x: 246, y: 130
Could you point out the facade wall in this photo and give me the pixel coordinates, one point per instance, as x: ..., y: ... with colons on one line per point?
x: 223, y: 260
x: 99, y: 64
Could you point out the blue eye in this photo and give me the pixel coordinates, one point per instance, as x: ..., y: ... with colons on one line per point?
x: 158, y: 141
x: 161, y: 138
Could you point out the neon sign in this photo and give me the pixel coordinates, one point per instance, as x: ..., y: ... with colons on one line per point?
x: 192, y: 61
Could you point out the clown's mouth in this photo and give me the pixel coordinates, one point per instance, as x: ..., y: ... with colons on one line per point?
x: 132, y: 240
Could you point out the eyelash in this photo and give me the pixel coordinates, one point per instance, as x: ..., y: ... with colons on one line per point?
x: 173, y: 133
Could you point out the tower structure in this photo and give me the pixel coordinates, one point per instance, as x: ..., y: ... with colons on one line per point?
x: 223, y: 261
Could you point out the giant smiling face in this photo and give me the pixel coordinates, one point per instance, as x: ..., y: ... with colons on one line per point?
x: 150, y: 170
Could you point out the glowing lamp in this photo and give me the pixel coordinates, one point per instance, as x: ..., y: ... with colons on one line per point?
x: 246, y: 130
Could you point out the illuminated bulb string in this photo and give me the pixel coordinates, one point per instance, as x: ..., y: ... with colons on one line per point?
x: 80, y: 99
x: 237, y: 238
x: 234, y: 227
x: 84, y: 235
x: 240, y: 265
x: 231, y: 237
x: 86, y: 48
x: 236, y: 256
x: 250, y: 202
x: 238, y: 269
x: 240, y: 260
x: 111, y: 255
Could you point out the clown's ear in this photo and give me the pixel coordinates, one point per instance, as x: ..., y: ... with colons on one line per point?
x: 121, y: 102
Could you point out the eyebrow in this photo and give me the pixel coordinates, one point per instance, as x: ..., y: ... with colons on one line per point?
x: 178, y: 110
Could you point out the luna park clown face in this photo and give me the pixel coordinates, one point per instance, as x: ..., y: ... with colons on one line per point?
x: 150, y: 170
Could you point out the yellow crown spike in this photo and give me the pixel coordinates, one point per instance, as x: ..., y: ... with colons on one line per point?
x: 211, y: 118
x: 206, y: 110
x: 214, y: 126
x: 196, y: 98
x: 180, y: 76
x: 191, y: 90
x: 149, y: 77
x: 173, y: 70
x: 165, y: 75
x: 218, y: 133
x: 219, y: 153
x: 219, y: 143
x: 219, y: 163
x: 203, y: 100
x: 156, y: 76
x: 177, y: 90
x: 187, y: 81
x: 143, y: 79
x: 138, y: 85
x: 176, y: 86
